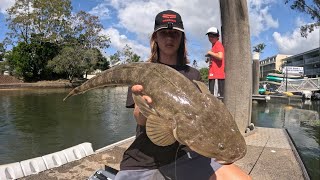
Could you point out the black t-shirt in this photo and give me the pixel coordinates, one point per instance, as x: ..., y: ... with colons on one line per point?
x: 142, y: 153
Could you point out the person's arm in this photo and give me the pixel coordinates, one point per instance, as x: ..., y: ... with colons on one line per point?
x: 230, y: 172
x: 218, y: 55
x: 140, y: 118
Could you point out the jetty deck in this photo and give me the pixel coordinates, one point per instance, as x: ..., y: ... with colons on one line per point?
x: 270, y: 155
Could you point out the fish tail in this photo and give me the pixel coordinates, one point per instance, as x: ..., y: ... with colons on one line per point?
x: 67, y: 96
x: 72, y: 93
x: 126, y: 74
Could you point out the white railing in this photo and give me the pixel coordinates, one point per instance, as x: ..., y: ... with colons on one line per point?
x: 310, y: 84
x: 42, y: 163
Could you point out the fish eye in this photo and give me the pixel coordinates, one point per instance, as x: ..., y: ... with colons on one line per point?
x: 221, y: 146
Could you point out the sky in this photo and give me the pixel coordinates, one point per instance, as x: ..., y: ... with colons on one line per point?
x: 131, y: 22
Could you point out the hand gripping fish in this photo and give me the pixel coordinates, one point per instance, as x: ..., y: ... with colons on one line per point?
x: 181, y: 110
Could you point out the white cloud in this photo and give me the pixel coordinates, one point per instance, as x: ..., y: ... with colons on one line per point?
x: 137, y: 17
x: 259, y: 3
x: 260, y: 17
x: 101, y: 11
x: 131, y: 22
x: 5, y: 4
x: 300, y: 21
x: 294, y: 44
x: 118, y: 42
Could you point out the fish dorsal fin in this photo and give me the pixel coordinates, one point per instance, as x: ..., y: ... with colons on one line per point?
x: 160, y: 131
x: 144, y: 107
x: 202, y: 86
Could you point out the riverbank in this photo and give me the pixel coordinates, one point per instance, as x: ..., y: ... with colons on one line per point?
x: 10, y: 82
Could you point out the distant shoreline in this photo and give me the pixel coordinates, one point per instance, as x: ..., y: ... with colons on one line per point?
x: 37, y: 85
x: 11, y: 82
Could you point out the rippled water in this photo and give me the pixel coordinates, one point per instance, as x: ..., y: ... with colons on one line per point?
x: 302, y: 121
x: 37, y: 122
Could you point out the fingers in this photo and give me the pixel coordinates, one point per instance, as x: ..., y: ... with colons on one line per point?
x: 140, y: 118
x: 138, y: 90
x: 147, y: 98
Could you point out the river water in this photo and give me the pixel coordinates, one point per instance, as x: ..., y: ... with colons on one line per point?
x: 37, y: 122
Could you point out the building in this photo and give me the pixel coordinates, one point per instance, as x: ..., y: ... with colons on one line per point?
x: 271, y: 65
x: 309, y: 60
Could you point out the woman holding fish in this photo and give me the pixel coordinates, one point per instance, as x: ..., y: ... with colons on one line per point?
x: 146, y: 160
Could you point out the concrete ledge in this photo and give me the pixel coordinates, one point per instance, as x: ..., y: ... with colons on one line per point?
x: 269, y: 157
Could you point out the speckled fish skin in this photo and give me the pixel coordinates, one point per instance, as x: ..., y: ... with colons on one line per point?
x: 200, y: 121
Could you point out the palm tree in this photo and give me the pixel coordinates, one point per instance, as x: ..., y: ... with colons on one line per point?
x: 259, y: 48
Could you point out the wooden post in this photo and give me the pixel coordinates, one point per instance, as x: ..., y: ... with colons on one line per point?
x: 238, y: 67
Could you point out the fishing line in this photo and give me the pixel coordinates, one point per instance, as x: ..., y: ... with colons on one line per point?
x: 259, y: 155
x: 175, y: 161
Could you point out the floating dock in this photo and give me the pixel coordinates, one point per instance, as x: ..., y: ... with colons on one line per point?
x: 270, y: 155
x: 277, y: 98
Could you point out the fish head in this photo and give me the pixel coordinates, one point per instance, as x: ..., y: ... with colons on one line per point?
x: 211, y: 131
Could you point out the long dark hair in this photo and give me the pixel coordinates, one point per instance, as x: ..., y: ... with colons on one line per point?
x: 182, y: 51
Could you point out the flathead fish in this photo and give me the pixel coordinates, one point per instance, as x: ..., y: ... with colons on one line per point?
x: 181, y: 110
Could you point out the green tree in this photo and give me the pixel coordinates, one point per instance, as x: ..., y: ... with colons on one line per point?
x: 29, y: 61
x: 74, y: 61
x: 2, y: 51
x: 51, y: 22
x: 19, y: 20
x: 115, y: 58
x: 135, y: 58
x: 312, y: 9
x: 49, y: 18
x: 89, y: 60
x: 88, y: 31
x: 126, y: 55
x: 93, y: 59
x: 102, y: 62
x: 259, y: 48
x: 3, y: 66
x: 204, y: 74
x: 69, y: 61
x: 129, y: 55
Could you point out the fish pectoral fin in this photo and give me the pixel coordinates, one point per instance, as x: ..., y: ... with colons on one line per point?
x: 202, y: 87
x: 160, y: 131
x: 144, y: 107
x: 180, y: 131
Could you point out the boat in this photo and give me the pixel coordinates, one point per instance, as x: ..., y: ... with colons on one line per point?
x: 274, y: 77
